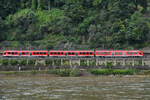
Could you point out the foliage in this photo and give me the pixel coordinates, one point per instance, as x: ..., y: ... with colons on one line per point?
x: 22, y: 62
x: 109, y: 65
x: 112, y: 72
x: 5, y: 62
x: 49, y: 62
x: 31, y: 62
x: 75, y: 73
x: 107, y: 24
x: 63, y: 72
x: 68, y: 72
x: 13, y: 62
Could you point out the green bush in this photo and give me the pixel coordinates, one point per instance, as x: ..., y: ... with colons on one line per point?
x: 31, y: 62
x: 123, y: 72
x: 140, y: 62
x: 48, y: 62
x: 68, y: 72
x: 66, y: 62
x: 13, y: 62
x: 22, y: 62
x: 92, y: 63
x: 83, y: 63
x: 63, y: 72
x: 110, y: 72
x: 57, y: 62
x: 5, y: 62
x: 75, y: 73
x: 109, y: 64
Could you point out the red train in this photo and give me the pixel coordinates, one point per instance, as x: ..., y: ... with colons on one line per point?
x: 73, y: 53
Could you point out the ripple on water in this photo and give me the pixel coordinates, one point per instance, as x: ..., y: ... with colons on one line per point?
x: 88, y: 88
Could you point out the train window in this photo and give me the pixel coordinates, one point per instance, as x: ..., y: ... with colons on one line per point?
x: 69, y: 53
x: 91, y: 53
x: 131, y: 52
x: 108, y: 53
x: 128, y: 53
x: 80, y: 53
x: 73, y: 53
x: 105, y: 53
x: 102, y: 53
x: 120, y: 53
x: 27, y: 53
x: 13, y: 53
x: 44, y: 53
x: 55, y: 53
x: 5, y: 53
x: 135, y: 53
x: 62, y: 53
x: 83, y: 53
x: 88, y: 53
x: 59, y: 53
x: 23, y: 53
x: 37, y: 53
x: 51, y: 53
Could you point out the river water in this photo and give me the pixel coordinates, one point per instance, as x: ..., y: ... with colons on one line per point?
x: 74, y: 88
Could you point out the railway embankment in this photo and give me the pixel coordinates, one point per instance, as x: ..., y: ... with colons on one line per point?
x: 89, y: 63
x: 75, y: 67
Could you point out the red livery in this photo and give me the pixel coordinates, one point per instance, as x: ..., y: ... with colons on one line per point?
x: 73, y: 53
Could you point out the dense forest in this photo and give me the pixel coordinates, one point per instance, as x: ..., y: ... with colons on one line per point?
x: 77, y: 24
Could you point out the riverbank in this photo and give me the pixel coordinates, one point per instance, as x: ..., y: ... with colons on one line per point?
x: 79, y: 73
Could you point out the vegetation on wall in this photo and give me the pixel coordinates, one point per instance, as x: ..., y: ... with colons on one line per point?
x: 109, y: 24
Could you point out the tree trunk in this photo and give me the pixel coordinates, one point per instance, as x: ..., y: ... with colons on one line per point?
x: 34, y: 4
x: 39, y: 4
x: 49, y: 5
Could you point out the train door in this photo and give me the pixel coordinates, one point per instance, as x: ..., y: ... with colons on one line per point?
x: 113, y: 54
x: 124, y: 54
x: 65, y: 53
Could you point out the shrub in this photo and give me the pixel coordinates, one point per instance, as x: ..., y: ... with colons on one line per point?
x: 83, y: 63
x: 63, y: 72
x: 48, y: 62
x: 13, y: 62
x: 114, y: 72
x: 22, y: 62
x: 109, y: 64
x: 75, y: 73
x: 31, y: 62
x: 57, y: 62
x: 5, y: 62
x: 92, y: 63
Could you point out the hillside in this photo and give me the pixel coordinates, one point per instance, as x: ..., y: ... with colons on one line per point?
x: 75, y: 24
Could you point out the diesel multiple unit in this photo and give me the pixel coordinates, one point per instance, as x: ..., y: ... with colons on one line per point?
x: 73, y: 53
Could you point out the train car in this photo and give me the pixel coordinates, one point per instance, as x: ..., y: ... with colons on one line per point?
x: 11, y: 53
x: 118, y: 53
x: 71, y: 53
x: 24, y: 53
x: 41, y: 53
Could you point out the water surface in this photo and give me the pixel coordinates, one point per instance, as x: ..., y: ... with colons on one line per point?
x: 74, y: 88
